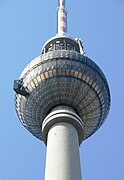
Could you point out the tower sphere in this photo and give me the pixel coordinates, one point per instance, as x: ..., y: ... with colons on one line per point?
x: 61, y: 75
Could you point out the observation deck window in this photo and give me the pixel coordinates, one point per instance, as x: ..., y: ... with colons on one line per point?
x: 60, y: 45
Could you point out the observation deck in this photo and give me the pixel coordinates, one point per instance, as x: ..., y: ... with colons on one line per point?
x: 62, y: 75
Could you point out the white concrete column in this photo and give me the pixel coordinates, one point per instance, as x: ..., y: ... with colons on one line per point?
x: 62, y: 159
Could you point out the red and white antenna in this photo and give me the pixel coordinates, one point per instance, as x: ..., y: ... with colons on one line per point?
x: 62, y: 18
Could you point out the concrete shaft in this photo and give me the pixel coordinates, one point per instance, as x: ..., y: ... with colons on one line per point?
x: 62, y: 160
x: 62, y: 131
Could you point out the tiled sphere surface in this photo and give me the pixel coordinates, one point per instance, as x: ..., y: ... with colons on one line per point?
x: 63, y: 77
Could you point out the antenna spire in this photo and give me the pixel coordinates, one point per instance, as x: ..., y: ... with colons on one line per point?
x: 62, y: 18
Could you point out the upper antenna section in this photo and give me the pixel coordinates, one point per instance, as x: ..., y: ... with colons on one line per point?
x: 62, y: 18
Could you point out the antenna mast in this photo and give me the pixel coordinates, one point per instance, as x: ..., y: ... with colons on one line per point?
x: 62, y: 18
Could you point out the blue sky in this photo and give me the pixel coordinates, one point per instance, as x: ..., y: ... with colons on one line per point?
x: 24, y: 27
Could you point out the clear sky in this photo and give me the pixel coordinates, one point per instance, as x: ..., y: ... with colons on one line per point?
x: 25, y: 25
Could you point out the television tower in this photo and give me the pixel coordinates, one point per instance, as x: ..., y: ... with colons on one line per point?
x: 62, y: 97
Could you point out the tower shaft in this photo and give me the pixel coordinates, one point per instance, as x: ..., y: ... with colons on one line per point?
x: 62, y: 18
x: 62, y: 160
x: 62, y: 133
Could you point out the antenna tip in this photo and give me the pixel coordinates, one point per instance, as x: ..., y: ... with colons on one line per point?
x: 61, y: 3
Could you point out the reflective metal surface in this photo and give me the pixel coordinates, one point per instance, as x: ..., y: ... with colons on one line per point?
x: 63, y: 77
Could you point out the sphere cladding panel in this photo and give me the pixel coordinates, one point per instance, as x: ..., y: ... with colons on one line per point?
x: 63, y: 78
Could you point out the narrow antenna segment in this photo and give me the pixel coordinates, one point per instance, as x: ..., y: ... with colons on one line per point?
x: 62, y: 18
